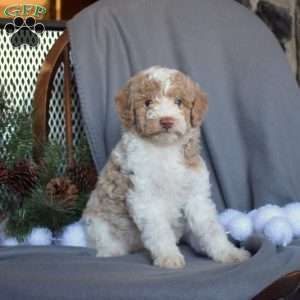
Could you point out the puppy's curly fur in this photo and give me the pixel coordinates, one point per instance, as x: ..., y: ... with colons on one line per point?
x: 155, y: 190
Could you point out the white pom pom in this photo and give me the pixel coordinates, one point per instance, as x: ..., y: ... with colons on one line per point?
x: 227, y: 216
x: 279, y: 231
x: 292, y: 212
x: 265, y: 214
x: 10, y: 242
x: 74, y: 235
x: 252, y: 214
x: 240, y: 227
x: 39, y: 237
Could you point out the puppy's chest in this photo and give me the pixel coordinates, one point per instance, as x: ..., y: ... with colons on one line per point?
x: 159, y: 171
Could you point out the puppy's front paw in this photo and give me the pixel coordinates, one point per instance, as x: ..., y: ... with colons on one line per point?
x: 234, y: 255
x: 170, y: 262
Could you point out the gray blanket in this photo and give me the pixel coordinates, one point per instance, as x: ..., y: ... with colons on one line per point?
x: 62, y: 273
x: 250, y: 136
x: 251, y: 132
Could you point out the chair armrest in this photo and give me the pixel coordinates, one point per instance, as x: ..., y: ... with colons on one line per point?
x: 281, y: 288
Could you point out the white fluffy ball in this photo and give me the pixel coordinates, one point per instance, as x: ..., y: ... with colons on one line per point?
x: 10, y: 242
x: 252, y: 214
x: 227, y: 216
x: 292, y: 212
x: 74, y: 235
x: 240, y: 227
x: 39, y: 237
x: 264, y: 214
x: 279, y: 231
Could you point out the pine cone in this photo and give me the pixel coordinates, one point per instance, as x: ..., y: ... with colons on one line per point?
x: 22, y: 178
x: 84, y: 177
x: 3, y: 173
x: 63, y: 191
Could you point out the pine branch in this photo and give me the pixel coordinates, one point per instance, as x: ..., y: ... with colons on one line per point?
x: 15, y: 132
x: 20, y: 142
x: 83, y: 153
x: 51, y: 163
x: 36, y: 208
x: 40, y: 211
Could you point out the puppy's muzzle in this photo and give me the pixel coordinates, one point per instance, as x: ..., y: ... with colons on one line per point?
x: 167, y: 122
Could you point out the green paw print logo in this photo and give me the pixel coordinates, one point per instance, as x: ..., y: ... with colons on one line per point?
x: 24, y: 31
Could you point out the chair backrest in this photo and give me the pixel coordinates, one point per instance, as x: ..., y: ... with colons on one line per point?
x: 65, y: 111
x: 32, y: 78
x: 19, y: 66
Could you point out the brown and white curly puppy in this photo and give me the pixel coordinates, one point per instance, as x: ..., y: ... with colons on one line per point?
x: 155, y: 190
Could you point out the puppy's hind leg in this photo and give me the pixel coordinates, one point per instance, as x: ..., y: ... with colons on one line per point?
x: 100, y: 237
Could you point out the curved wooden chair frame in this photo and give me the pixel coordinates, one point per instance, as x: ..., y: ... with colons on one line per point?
x: 59, y: 53
x: 282, y: 288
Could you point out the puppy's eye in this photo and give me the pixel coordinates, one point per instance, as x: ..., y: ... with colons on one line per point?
x: 148, y: 102
x: 178, y: 101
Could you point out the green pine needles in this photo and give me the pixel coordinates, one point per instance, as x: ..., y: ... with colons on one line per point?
x: 37, y: 195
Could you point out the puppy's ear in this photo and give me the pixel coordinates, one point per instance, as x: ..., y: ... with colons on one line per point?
x: 199, y: 107
x: 124, y: 107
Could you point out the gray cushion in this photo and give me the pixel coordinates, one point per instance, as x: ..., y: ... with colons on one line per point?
x: 48, y: 273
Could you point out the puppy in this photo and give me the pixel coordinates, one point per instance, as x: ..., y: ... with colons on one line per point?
x: 154, y: 189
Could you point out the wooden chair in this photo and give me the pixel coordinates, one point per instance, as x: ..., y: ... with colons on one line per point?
x: 58, y: 54
x: 283, y: 288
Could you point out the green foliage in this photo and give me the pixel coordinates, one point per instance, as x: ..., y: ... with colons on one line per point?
x: 52, y: 162
x: 15, y: 133
x: 39, y: 211
x: 19, y: 146
x: 82, y: 152
x: 8, y: 200
x: 36, y: 209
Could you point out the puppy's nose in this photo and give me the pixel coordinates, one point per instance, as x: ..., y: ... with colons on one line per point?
x: 167, y: 122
